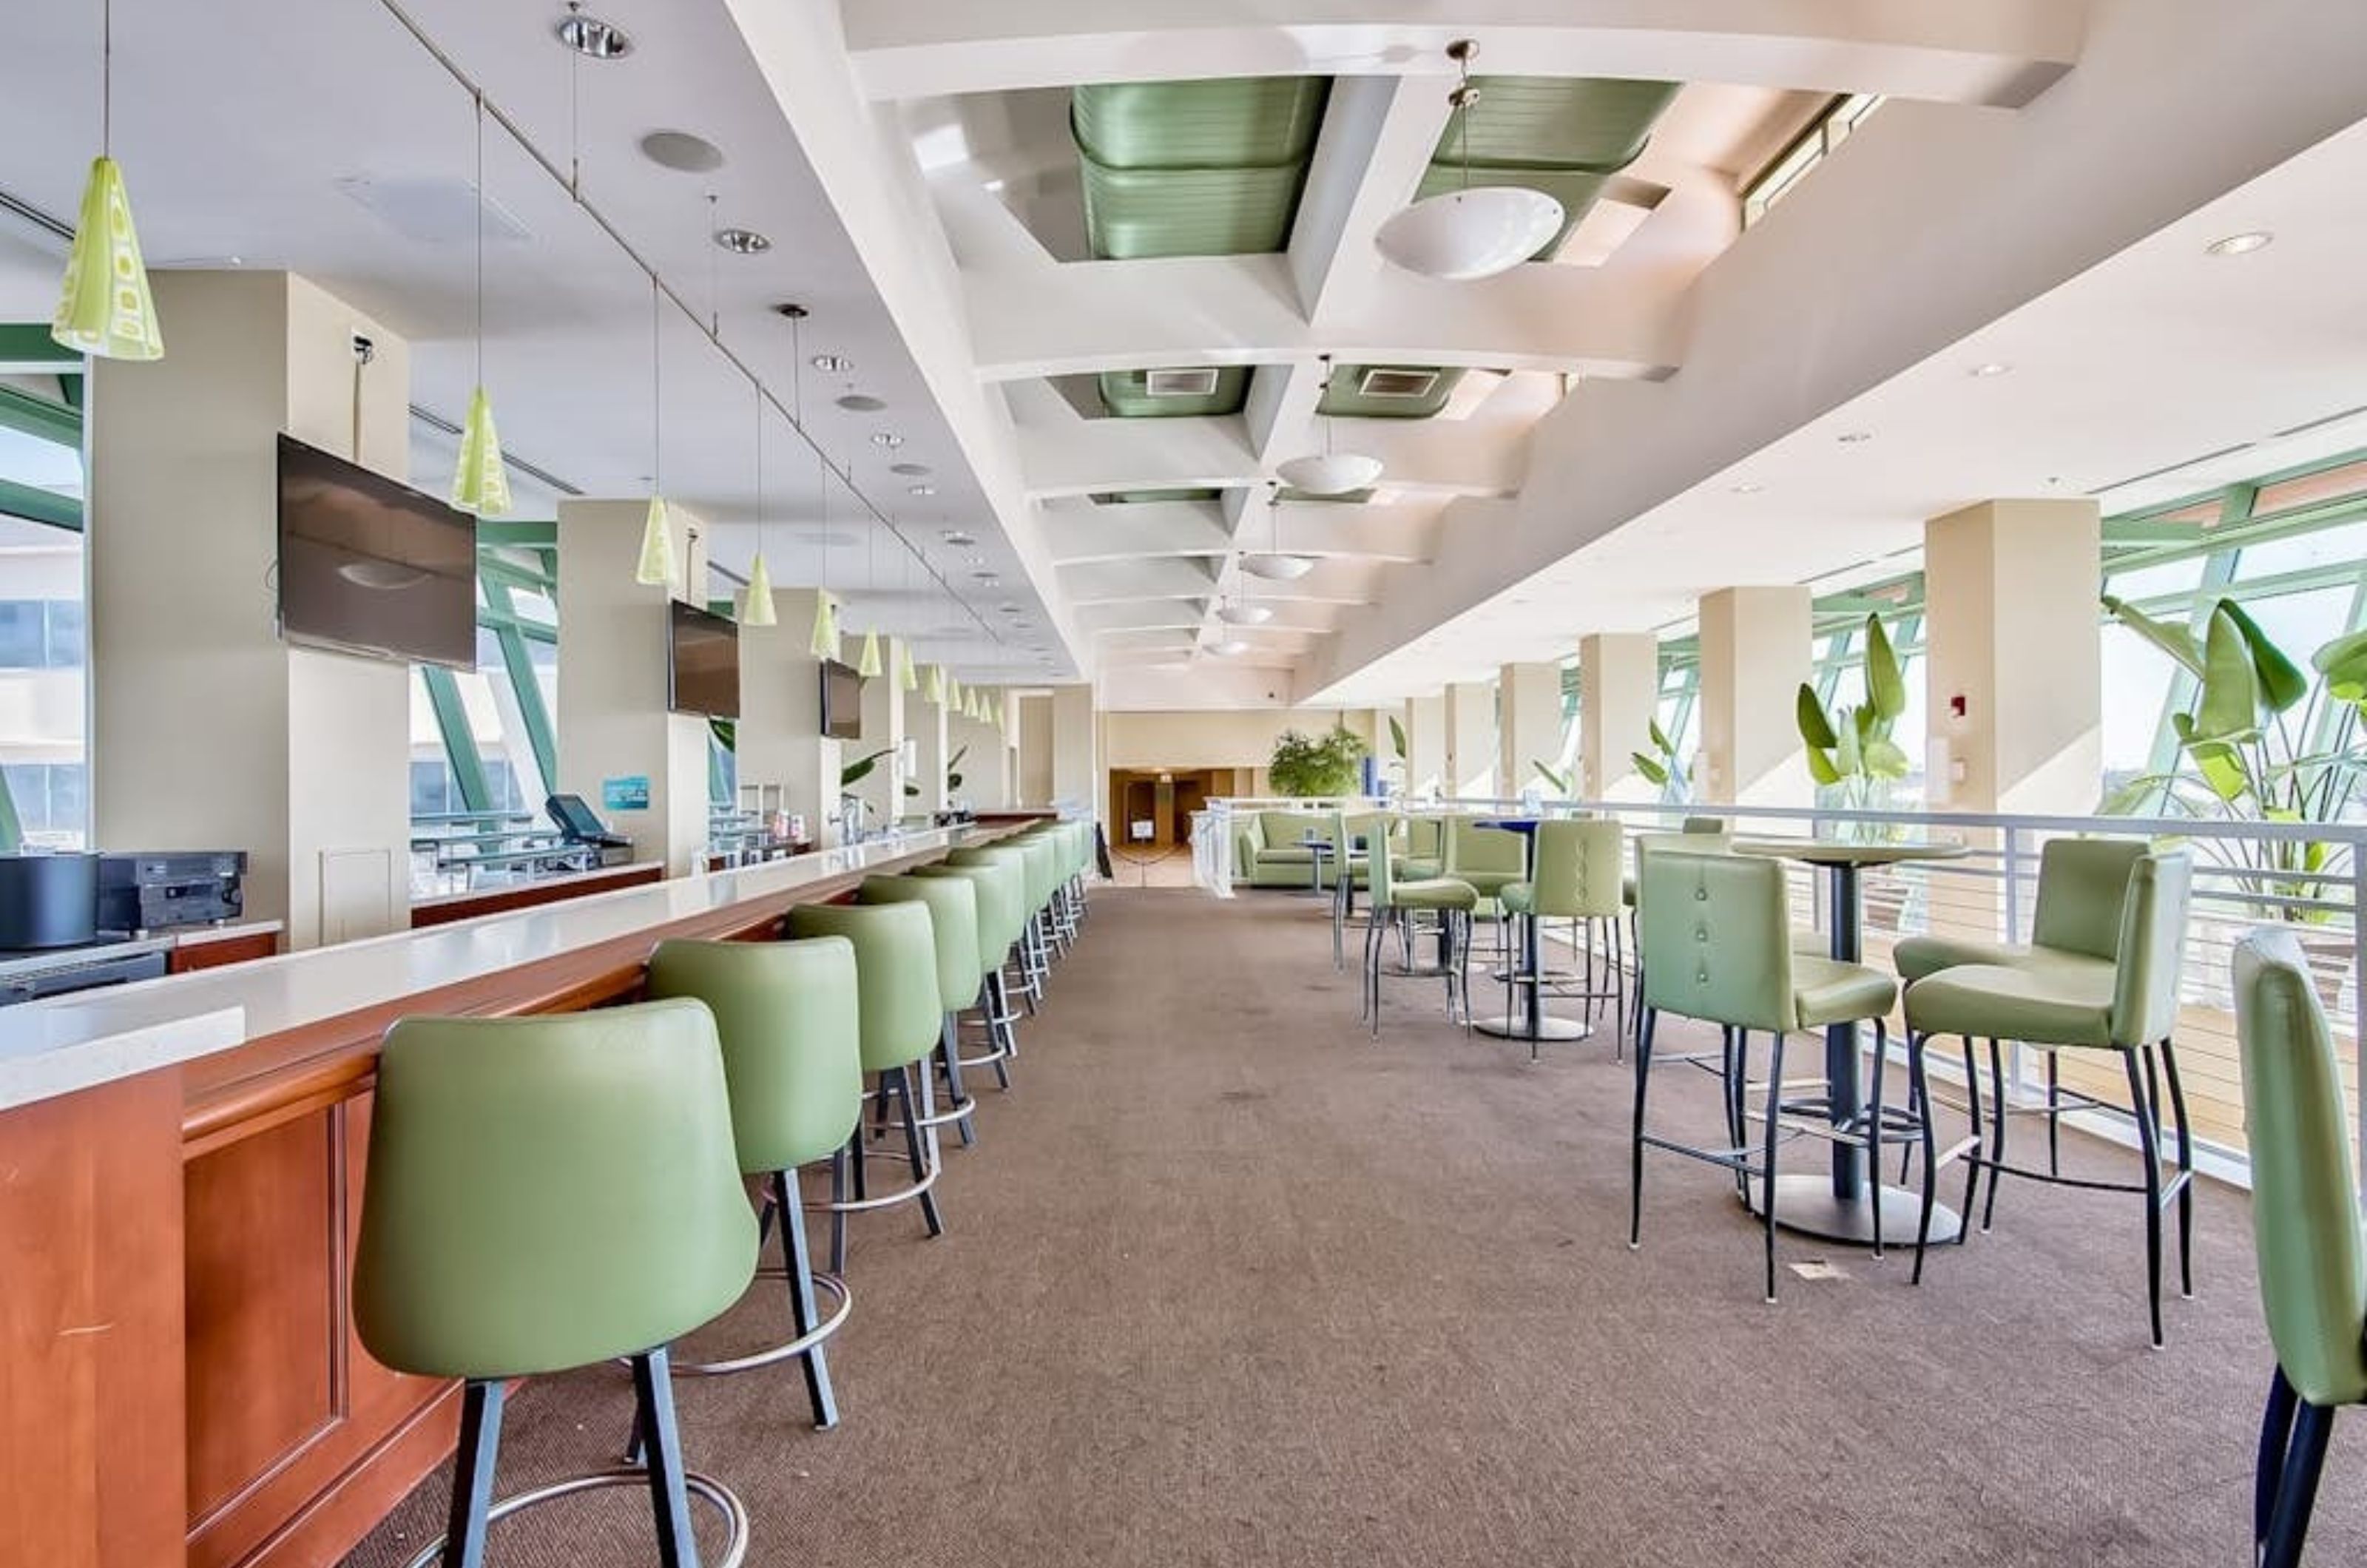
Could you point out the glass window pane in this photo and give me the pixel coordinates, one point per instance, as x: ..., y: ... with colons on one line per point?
x: 2344, y: 545
x: 2152, y: 582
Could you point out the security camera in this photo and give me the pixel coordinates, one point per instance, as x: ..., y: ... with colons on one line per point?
x: 363, y: 349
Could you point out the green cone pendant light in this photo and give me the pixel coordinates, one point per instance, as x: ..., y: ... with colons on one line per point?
x: 481, y: 484
x: 104, y: 308
x: 757, y: 608
x: 906, y: 676
x: 825, y: 624
x: 937, y: 691
x: 656, y: 568
x: 869, y: 664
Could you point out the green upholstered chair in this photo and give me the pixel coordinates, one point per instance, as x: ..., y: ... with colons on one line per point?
x: 793, y: 1061
x: 1393, y: 905
x: 1425, y: 841
x: 1350, y: 833
x: 1020, y: 957
x: 2129, y: 1008
x: 545, y: 1193
x: 1718, y: 947
x: 1578, y: 880
x: 1043, y: 879
x: 2076, y: 923
x: 961, y: 978
x: 1002, y: 889
x: 2305, y: 1233
x: 902, y: 1012
x: 1487, y: 860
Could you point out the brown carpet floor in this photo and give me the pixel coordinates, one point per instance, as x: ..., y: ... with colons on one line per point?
x: 1227, y: 1282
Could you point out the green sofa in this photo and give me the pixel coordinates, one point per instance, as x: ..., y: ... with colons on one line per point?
x: 1267, y: 851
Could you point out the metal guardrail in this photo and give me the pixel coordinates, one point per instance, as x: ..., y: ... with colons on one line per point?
x: 1991, y: 892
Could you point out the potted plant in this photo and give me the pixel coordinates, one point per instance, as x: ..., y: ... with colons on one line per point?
x: 1850, y: 753
x: 2262, y: 741
x: 1327, y: 764
x: 1399, y: 767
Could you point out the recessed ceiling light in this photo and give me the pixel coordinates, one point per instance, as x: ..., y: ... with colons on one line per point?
x: 1992, y: 367
x: 923, y: 490
x: 682, y: 152
x: 743, y: 242
x: 887, y: 438
x: 591, y: 36
x: 1855, y: 438
x: 1749, y: 487
x: 1231, y: 647
x: 2241, y: 245
x: 832, y: 362
x: 958, y: 538
x: 862, y: 402
x: 910, y: 470
x: 986, y: 579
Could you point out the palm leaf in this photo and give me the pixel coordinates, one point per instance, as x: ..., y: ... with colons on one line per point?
x: 1398, y: 737
x: 2176, y: 641
x: 1816, y: 729
x: 2343, y: 662
x: 2230, y: 707
x: 1885, y: 688
x: 2282, y: 683
x: 1654, y: 774
x: 1820, y: 767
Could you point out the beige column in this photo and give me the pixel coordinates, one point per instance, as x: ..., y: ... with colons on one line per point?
x: 206, y: 731
x: 781, y: 746
x: 1755, y: 651
x: 926, y: 723
x: 1076, y: 748
x: 613, y: 721
x: 1618, y: 695
x: 883, y: 730
x: 1471, y: 738
x: 2012, y: 631
x: 1425, y: 722
x: 985, y: 774
x: 1036, y: 763
x: 1529, y: 726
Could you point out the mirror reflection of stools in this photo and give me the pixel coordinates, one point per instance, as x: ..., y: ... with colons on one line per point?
x: 793, y: 1059
x: 953, y: 919
x: 1017, y: 956
x: 1002, y: 889
x: 547, y: 1193
x: 902, y: 1021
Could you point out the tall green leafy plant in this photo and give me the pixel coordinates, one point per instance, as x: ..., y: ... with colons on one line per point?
x: 1663, y: 769
x: 1326, y: 764
x: 1851, y: 752
x: 2261, y: 742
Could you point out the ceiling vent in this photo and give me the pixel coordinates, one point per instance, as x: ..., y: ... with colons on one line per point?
x: 1198, y: 381
x: 433, y: 208
x: 1381, y: 381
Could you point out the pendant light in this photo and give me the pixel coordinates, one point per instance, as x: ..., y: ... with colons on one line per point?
x: 481, y: 484
x: 104, y: 307
x: 656, y: 567
x: 937, y: 686
x: 1466, y: 233
x: 1329, y: 472
x: 1273, y: 565
x: 868, y: 663
x: 906, y: 675
x: 757, y: 608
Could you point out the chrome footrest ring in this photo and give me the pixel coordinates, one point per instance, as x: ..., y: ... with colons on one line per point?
x: 724, y: 1501
x: 884, y: 1201
x: 831, y: 1284
x: 959, y: 1111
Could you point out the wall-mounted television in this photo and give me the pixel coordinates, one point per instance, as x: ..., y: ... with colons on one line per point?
x: 841, y: 701
x: 703, y: 663
x: 372, y: 566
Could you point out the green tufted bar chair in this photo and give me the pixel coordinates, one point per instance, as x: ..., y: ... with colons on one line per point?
x: 1350, y: 870
x: 1002, y: 889
x: 903, y: 1019
x: 1423, y: 847
x: 2305, y: 1232
x: 1718, y: 947
x: 952, y: 904
x: 1392, y: 904
x: 2129, y: 1008
x: 793, y: 1062
x: 546, y: 1193
x: 1579, y: 880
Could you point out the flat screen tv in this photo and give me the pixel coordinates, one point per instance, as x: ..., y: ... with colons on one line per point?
x: 372, y: 566
x: 841, y: 701
x: 703, y: 663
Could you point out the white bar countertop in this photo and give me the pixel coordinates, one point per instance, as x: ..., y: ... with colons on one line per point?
x: 59, y: 1044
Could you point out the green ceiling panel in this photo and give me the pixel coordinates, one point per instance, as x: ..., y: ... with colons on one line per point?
x: 1131, y: 497
x: 1565, y: 136
x: 1345, y: 498
x: 1194, y: 168
x: 1127, y: 394
x: 1352, y: 398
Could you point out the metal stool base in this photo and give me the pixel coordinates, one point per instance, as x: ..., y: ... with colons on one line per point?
x: 832, y: 1283
x: 735, y: 1512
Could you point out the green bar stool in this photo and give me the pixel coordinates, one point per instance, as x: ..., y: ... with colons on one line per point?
x: 1015, y: 960
x: 1394, y: 902
x: 1420, y: 852
x: 547, y: 1193
x: 953, y: 918
x: 1350, y: 835
x: 1579, y: 880
x: 902, y: 1018
x: 793, y: 1061
x: 1001, y: 886
x: 1718, y: 947
x: 2305, y: 1232
x: 2129, y: 1008
x: 1043, y: 876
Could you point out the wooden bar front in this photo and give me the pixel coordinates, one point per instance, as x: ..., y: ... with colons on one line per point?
x: 179, y: 1377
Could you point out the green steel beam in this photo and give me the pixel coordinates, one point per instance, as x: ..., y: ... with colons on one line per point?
x: 517, y: 663
x: 29, y: 344
x: 39, y: 417
x: 459, y: 744
x: 36, y: 505
x: 12, y: 826
x: 517, y: 531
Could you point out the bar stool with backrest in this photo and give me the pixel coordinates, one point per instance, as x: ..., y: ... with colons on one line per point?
x: 903, y: 1019
x: 1018, y: 958
x: 793, y: 1061
x: 1393, y: 903
x: 1578, y: 880
x: 1488, y: 861
x: 952, y: 904
x: 2129, y: 1008
x: 1419, y: 852
x: 1718, y: 947
x: 1043, y: 878
x: 547, y: 1193
x: 1002, y: 889
x: 2305, y: 1231
x: 1349, y: 836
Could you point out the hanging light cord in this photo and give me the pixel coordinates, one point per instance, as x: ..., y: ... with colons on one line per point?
x: 107, y: 78
x: 481, y: 238
x: 1462, y: 97
x: 657, y: 394
x: 760, y: 469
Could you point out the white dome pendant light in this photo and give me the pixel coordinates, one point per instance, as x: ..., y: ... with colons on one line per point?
x: 1273, y: 565
x: 1330, y: 472
x: 1464, y: 234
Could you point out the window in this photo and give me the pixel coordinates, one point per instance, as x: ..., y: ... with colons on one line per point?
x: 44, y: 759
x: 481, y: 740
x: 1812, y: 147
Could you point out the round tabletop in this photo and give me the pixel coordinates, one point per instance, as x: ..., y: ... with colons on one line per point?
x: 1853, y: 851
x: 1509, y: 824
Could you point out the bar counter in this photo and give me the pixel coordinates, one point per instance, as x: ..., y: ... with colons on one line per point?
x: 181, y: 1164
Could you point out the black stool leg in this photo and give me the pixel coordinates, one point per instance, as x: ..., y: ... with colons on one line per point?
x: 1647, y: 1021
x: 1973, y: 1154
x: 1767, y: 1176
x: 2297, y: 1486
x: 1921, y: 1090
x: 804, y: 1315
x: 2001, y: 1106
x: 949, y: 1049
x: 2185, y: 1172
x: 851, y: 1152
x: 2276, y: 1435
x: 1874, y: 1128
x: 2149, y: 1147
x: 912, y: 1140
x: 472, y: 1472
x: 669, y: 1501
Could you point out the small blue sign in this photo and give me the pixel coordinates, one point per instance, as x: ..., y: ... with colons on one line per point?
x: 630, y: 793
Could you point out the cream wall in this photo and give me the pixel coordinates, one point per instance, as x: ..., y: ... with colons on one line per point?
x: 1529, y: 725
x: 1425, y: 722
x: 1035, y: 769
x: 779, y: 738
x: 1471, y: 738
x: 1618, y: 696
x: 1237, y: 739
x: 884, y: 705
x: 1076, y: 747
x: 1755, y: 651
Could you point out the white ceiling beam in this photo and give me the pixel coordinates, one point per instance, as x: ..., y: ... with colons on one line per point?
x: 1141, y: 618
x: 1117, y: 582
x: 1418, y: 457
x: 1079, y: 532
x: 2000, y: 52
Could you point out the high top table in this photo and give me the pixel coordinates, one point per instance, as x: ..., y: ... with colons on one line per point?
x: 1529, y: 1022
x: 1840, y: 1207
